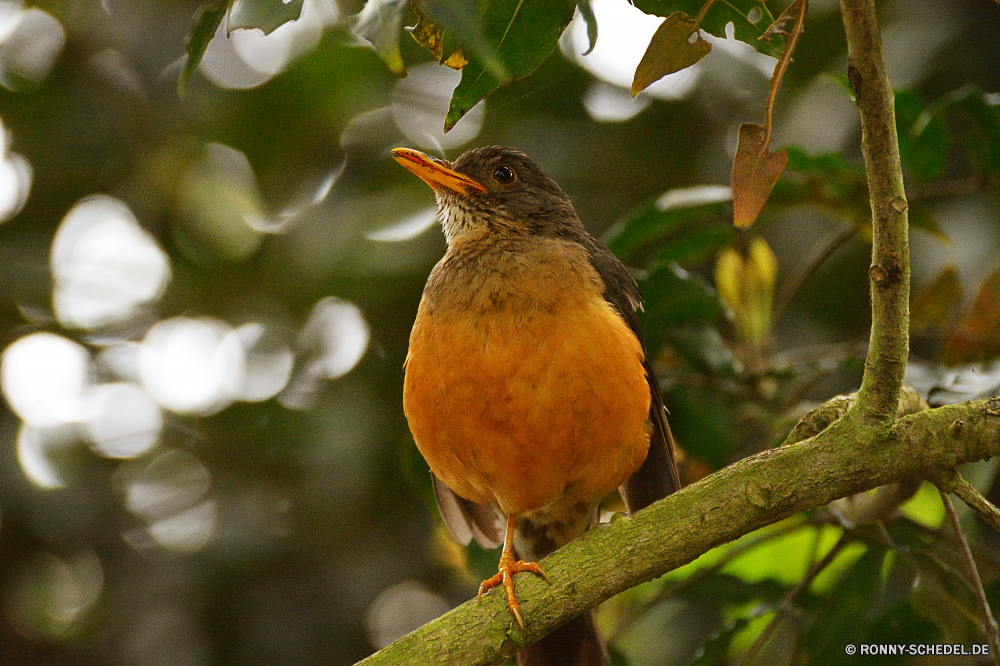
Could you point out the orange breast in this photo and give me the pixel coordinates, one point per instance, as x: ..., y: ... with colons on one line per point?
x: 524, y: 404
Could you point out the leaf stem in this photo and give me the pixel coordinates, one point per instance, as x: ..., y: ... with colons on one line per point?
x: 701, y: 14
x: 779, y: 70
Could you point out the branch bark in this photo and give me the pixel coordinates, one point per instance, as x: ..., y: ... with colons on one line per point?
x: 844, y: 459
x: 889, y: 275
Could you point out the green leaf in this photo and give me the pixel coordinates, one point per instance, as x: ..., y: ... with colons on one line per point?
x: 696, y: 245
x: 827, y: 181
x: 669, y: 51
x: 842, y: 616
x: 750, y: 19
x: 266, y: 15
x: 735, y: 590
x: 983, y: 146
x: 503, y: 40
x: 716, y: 649
x: 785, y: 559
x: 825, y: 163
x: 920, y: 217
x: 657, y: 220
x: 587, y: 12
x: 702, y: 347
x: 379, y: 23
x: 900, y: 625
x: 924, y: 138
x: 206, y: 21
x: 673, y: 297
x: 701, y: 420
x: 940, y: 595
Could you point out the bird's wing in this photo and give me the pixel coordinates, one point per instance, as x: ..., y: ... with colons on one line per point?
x: 657, y: 477
x: 468, y: 520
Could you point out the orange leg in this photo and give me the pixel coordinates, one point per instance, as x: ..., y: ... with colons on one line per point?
x: 506, y: 570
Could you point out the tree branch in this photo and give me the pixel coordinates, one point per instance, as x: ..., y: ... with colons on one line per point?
x: 846, y: 458
x: 986, y: 510
x: 889, y: 275
x: 988, y: 622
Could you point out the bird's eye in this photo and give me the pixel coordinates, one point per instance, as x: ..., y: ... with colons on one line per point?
x: 504, y: 175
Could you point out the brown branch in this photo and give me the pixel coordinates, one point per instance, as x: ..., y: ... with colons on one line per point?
x: 779, y: 69
x: 989, y: 623
x: 701, y: 14
x: 890, y: 269
x: 844, y: 459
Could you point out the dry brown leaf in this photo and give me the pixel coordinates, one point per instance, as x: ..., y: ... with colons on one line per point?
x: 935, y: 306
x: 669, y: 51
x: 755, y: 171
x: 976, y: 336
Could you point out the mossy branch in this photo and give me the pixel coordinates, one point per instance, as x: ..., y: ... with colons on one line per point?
x: 844, y: 459
x: 889, y: 275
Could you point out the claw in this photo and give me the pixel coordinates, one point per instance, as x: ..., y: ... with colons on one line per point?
x: 505, y: 573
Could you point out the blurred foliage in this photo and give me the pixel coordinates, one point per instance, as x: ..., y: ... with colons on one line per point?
x: 292, y: 522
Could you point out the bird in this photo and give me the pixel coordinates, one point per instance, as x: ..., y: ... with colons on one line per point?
x: 527, y: 387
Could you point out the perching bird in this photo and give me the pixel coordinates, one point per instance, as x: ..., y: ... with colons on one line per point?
x: 527, y: 386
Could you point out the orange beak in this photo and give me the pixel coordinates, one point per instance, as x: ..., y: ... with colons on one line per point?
x: 434, y: 172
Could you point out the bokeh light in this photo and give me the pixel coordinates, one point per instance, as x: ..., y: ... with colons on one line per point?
x: 420, y: 103
x: 218, y: 198
x: 43, y: 377
x: 169, y: 493
x: 606, y: 102
x: 51, y: 593
x: 332, y: 341
x: 400, y: 609
x: 15, y: 178
x: 39, y: 451
x: 192, y: 366
x: 269, y: 362
x: 104, y: 265
x: 30, y: 41
x: 243, y: 59
x: 406, y: 229
x: 122, y: 420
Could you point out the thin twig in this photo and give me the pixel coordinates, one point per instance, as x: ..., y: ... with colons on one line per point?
x: 791, y: 284
x: 986, y: 509
x: 701, y: 14
x: 786, y: 602
x: 954, y: 188
x: 779, y: 71
x: 989, y: 623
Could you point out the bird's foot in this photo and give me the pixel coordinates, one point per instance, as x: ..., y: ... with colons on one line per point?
x: 505, y: 575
